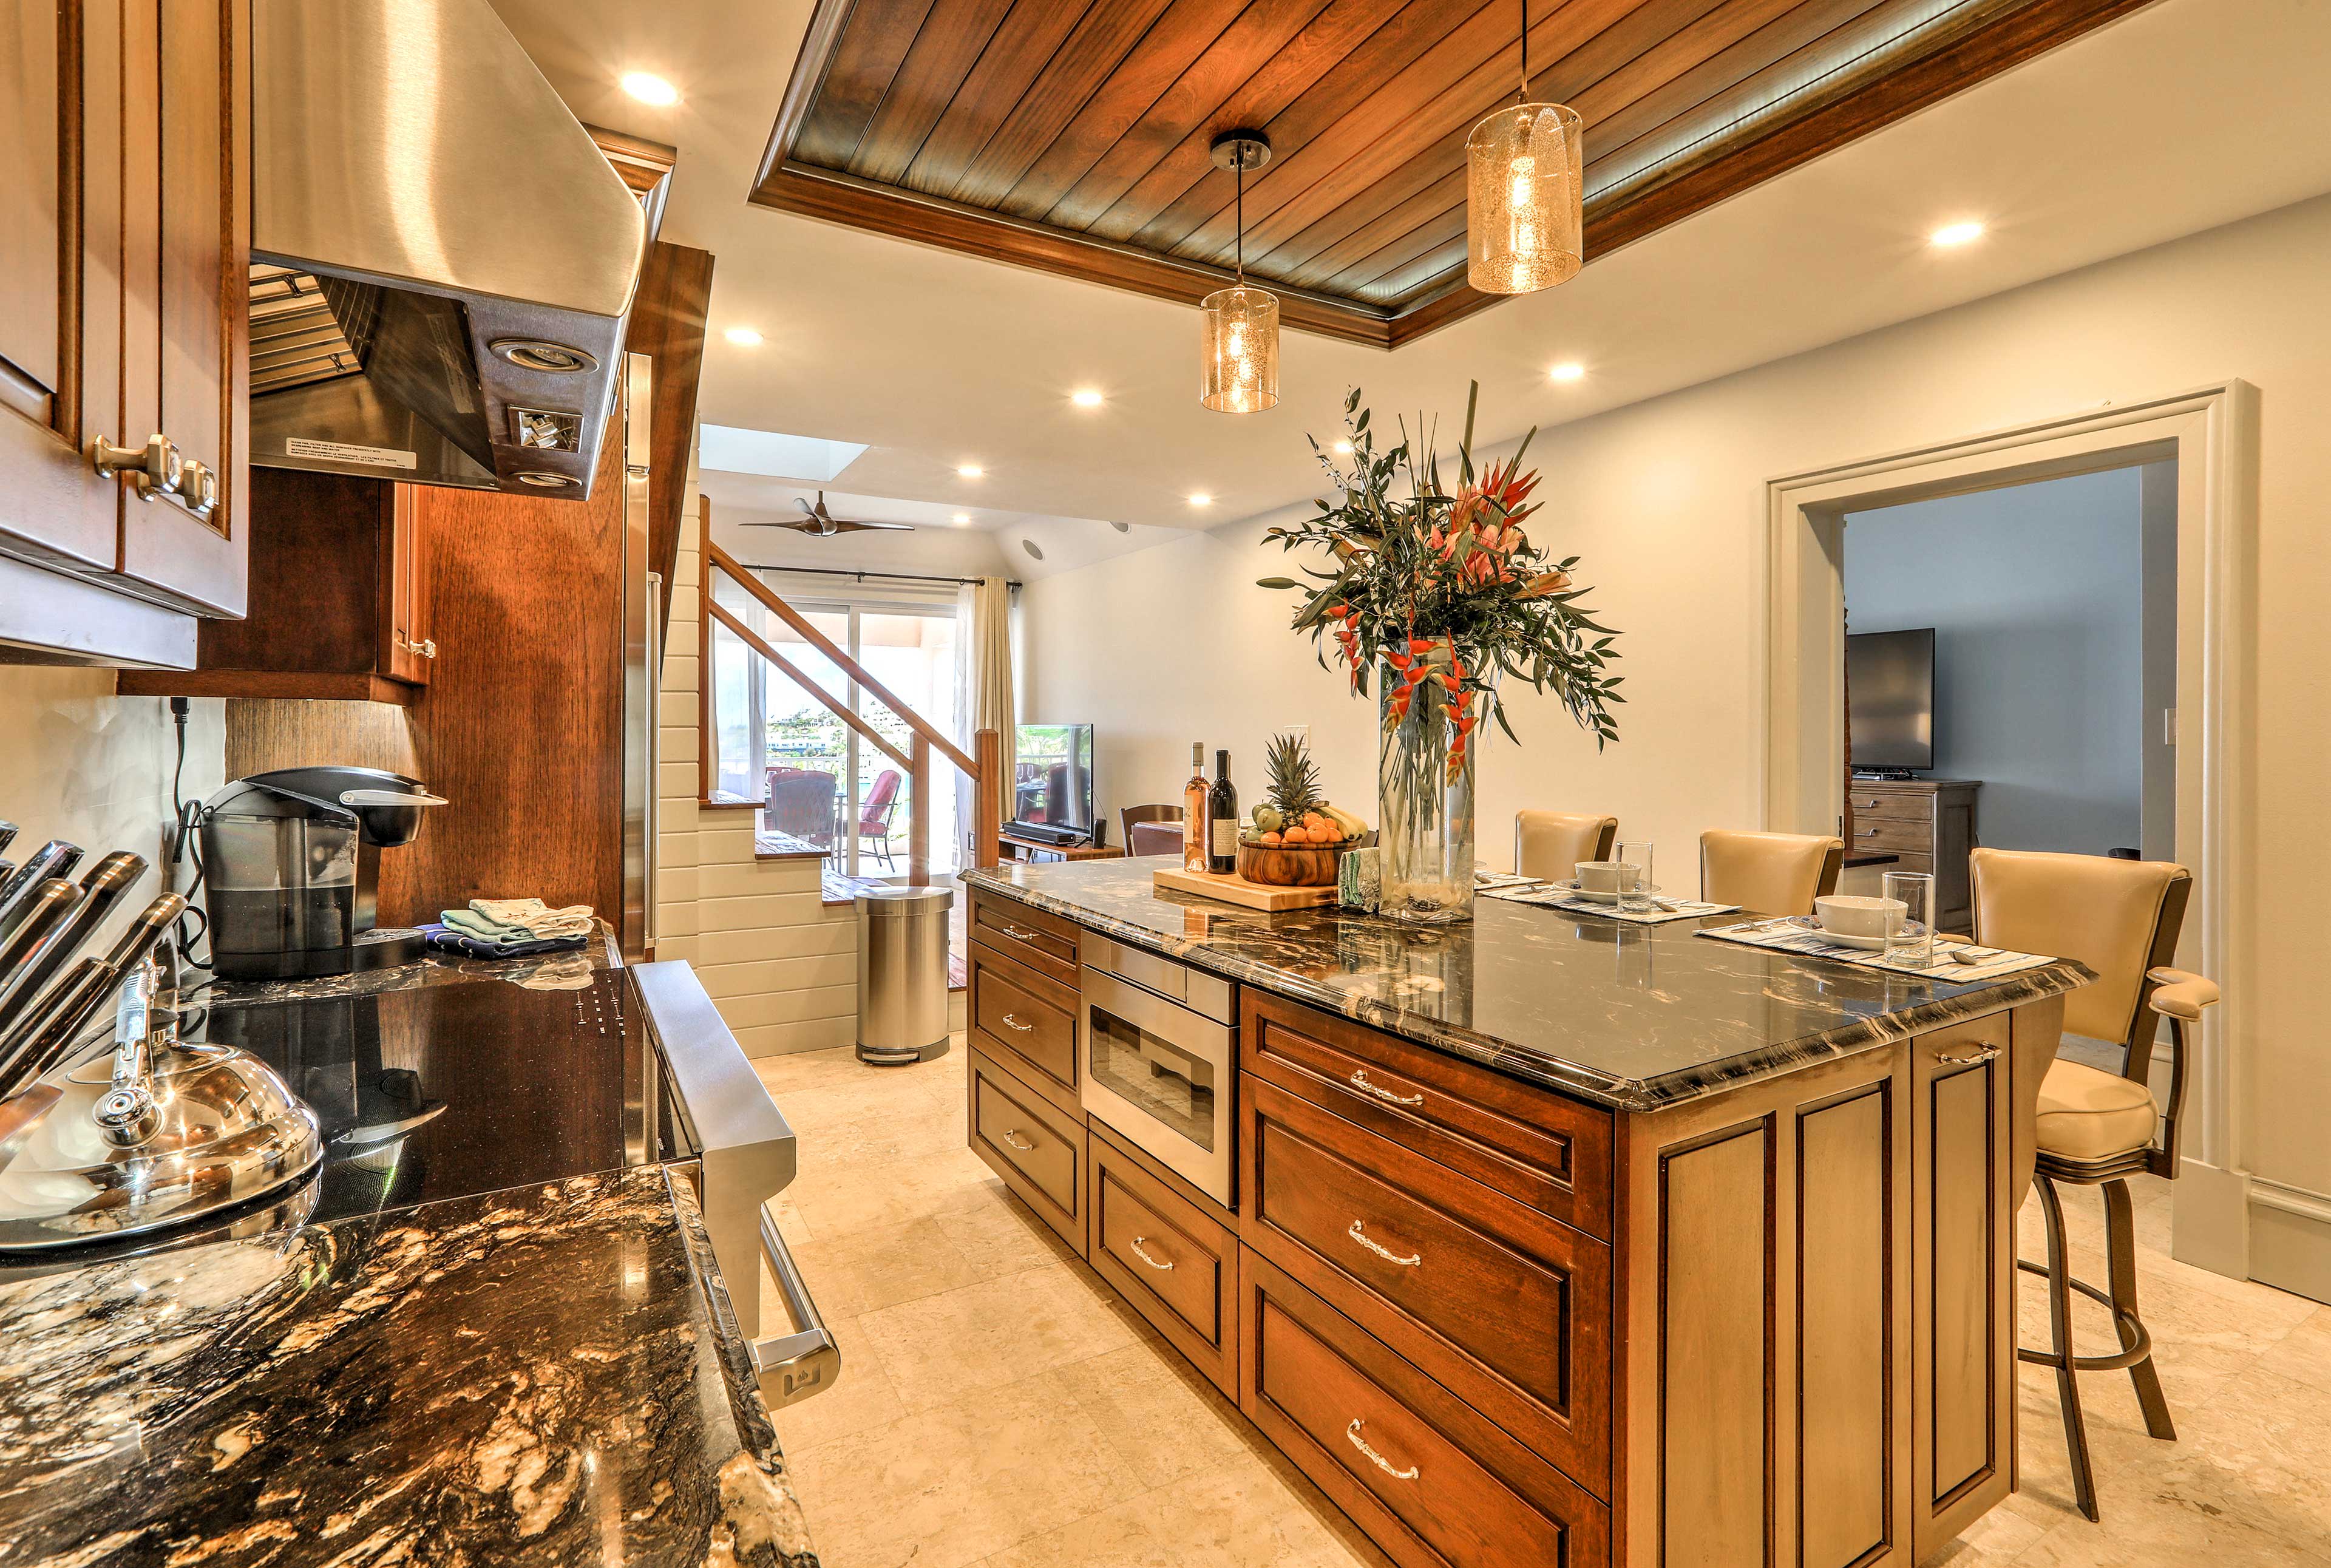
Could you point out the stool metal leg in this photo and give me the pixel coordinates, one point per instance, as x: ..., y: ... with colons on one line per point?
x: 2120, y: 1244
x: 2060, y: 1328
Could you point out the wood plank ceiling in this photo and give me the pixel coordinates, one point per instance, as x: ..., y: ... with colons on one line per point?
x: 1073, y: 135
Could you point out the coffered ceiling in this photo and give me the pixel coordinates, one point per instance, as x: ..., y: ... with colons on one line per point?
x: 1073, y: 135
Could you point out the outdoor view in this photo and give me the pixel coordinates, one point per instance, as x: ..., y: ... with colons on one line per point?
x: 823, y: 782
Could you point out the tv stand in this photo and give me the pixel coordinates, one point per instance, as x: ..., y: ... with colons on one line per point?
x: 1928, y: 825
x: 1015, y: 846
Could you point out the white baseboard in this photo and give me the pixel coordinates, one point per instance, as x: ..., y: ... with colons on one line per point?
x: 2210, y: 1224
x: 2290, y: 1239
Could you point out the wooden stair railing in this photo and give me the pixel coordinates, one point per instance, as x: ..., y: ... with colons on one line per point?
x: 922, y: 737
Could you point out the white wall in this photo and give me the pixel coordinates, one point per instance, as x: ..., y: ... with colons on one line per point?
x: 83, y: 765
x: 2036, y: 595
x: 1665, y: 501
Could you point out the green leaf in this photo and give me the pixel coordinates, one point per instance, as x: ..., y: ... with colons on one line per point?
x: 1277, y: 583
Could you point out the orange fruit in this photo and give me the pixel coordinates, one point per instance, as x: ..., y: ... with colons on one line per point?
x: 1271, y: 838
x: 1330, y: 834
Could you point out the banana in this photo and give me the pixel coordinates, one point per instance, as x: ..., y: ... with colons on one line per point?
x: 1353, y: 827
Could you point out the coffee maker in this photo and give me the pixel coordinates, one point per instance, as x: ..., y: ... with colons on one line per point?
x: 292, y: 867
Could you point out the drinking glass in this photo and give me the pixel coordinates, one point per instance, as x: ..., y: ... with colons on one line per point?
x: 1635, y: 889
x: 1913, y: 942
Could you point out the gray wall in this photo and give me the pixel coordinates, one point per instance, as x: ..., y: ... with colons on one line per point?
x: 2036, y: 595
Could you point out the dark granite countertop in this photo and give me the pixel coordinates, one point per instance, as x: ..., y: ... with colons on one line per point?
x: 534, y: 1376
x: 1631, y: 1016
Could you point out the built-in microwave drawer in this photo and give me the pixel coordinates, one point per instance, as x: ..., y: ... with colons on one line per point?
x: 1045, y: 943
x: 1507, y: 1308
x: 1018, y: 1014
x: 1432, y: 1481
x: 1039, y: 1151
x: 1175, y: 1264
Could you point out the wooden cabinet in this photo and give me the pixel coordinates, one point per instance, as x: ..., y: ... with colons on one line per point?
x: 346, y: 607
x: 1024, y: 1017
x: 1045, y: 943
x: 1928, y: 825
x: 124, y: 261
x: 1158, y: 1240
x: 1038, y: 1149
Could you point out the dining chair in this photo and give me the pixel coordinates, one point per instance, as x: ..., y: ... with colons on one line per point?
x: 1770, y: 873
x: 874, y: 816
x: 1147, y: 831
x: 1550, y: 845
x: 2095, y: 1128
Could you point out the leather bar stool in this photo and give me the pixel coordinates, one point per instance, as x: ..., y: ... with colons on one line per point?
x: 1550, y: 845
x: 1769, y: 873
x: 2095, y: 1128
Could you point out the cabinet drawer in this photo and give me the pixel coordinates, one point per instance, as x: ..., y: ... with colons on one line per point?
x: 1172, y: 1260
x: 1509, y: 1308
x: 1039, y: 1151
x: 1869, y: 803
x: 1020, y: 1016
x: 1432, y: 1481
x: 1045, y: 943
x: 1551, y: 1153
x: 1893, y: 834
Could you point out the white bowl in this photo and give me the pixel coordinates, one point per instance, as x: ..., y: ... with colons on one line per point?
x: 1855, y: 917
x: 1600, y: 875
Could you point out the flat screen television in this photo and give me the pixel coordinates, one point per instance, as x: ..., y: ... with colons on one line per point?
x: 1052, y: 780
x: 1890, y: 678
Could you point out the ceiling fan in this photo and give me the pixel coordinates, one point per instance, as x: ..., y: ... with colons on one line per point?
x: 817, y: 521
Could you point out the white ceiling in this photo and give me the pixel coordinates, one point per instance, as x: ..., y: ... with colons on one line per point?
x: 2190, y: 114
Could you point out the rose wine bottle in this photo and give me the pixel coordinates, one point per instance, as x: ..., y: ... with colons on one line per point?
x: 1222, y: 812
x: 1193, y: 811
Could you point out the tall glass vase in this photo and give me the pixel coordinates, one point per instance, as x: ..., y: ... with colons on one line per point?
x: 1425, y: 811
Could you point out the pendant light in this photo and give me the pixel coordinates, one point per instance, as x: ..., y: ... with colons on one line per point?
x: 1524, y: 210
x: 1239, y: 350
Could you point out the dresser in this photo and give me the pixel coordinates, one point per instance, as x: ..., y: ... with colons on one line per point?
x: 1928, y: 824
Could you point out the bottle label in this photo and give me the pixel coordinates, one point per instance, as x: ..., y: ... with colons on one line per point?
x: 1225, y: 835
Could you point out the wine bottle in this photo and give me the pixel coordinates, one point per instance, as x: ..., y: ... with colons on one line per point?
x: 1222, y: 812
x: 1193, y: 811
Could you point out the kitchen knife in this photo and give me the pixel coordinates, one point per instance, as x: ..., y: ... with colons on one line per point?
x: 51, y: 902
x: 57, y: 857
x: 101, y: 889
x: 7, y: 834
x: 67, y: 1006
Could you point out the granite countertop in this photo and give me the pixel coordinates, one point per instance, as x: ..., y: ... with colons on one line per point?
x: 1635, y: 1017
x: 533, y: 1376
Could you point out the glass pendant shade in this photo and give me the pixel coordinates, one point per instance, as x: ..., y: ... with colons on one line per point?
x: 1238, y: 353
x: 1524, y: 216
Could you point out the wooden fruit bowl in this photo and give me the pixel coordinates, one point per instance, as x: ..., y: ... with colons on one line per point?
x: 1294, y: 865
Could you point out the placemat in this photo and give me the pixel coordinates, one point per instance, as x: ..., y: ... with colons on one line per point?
x: 1800, y: 935
x: 1538, y: 895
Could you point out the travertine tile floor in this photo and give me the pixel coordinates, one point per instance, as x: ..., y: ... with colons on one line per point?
x: 999, y: 1406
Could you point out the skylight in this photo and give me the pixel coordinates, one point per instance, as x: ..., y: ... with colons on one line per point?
x: 732, y: 449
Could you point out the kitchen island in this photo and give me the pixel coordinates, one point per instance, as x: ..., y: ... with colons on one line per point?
x: 1543, y: 1238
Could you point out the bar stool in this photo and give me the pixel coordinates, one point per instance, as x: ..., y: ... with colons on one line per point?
x: 1770, y: 873
x: 1549, y: 844
x: 2095, y: 1128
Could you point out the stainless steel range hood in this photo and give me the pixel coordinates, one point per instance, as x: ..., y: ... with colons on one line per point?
x: 443, y: 262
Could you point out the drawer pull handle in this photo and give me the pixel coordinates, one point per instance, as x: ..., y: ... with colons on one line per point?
x: 1360, y: 1082
x: 1016, y: 933
x: 1375, y: 1458
x: 1971, y: 1059
x: 1373, y: 1245
x: 1012, y: 1136
x: 1869, y: 832
x: 1143, y: 1253
x: 1015, y: 1024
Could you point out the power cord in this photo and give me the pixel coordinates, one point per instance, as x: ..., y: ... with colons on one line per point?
x: 185, y: 821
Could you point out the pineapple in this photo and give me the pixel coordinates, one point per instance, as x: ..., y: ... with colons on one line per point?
x: 1294, y: 777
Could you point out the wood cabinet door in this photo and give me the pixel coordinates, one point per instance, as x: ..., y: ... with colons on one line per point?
x: 186, y: 313
x: 1962, y: 1292
x: 61, y: 120
x: 408, y: 644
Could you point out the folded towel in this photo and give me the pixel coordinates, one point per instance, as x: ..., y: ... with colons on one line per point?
x: 472, y: 924
x: 534, y: 917
x: 449, y: 939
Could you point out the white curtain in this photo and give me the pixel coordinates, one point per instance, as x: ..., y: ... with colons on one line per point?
x: 984, y: 622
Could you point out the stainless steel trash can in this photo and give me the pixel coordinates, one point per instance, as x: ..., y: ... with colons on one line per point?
x: 902, y: 974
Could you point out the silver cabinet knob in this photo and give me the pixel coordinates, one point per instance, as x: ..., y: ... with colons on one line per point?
x: 155, y: 468
x: 198, y: 489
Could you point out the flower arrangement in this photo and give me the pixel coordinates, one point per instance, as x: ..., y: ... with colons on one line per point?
x: 1441, y: 596
x: 1444, y: 591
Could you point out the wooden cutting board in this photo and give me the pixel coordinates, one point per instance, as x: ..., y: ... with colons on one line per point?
x: 1234, y: 889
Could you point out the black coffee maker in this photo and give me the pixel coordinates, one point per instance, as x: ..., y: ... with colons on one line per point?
x: 291, y: 867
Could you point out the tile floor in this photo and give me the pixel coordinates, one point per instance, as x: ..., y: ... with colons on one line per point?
x: 1000, y: 1407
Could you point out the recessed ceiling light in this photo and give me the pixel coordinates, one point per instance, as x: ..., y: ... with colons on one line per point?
x: 1344, y: 449
x: 649, y: 88
x: 1955, y: 234
x: 961, y: 518
x: 1202, y: 500
x: 971, y: 471
x: 1121, y: 527
x: 1085, y: 397
x: 1568, y: 370
x: 743, y: 337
